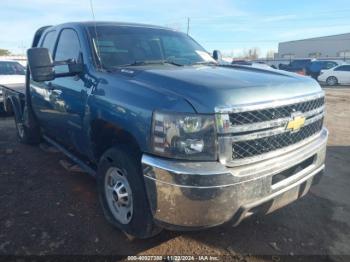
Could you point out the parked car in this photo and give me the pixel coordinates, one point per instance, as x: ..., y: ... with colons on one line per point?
x: 174, y: 139
x: 11, y: 72
x: 314, y: 69
x: 339, y: 75
x: 297, y: 66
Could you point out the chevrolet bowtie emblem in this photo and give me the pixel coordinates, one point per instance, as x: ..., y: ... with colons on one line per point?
x: 296, y: 123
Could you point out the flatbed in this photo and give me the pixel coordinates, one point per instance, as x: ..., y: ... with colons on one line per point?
x: 12, y: 93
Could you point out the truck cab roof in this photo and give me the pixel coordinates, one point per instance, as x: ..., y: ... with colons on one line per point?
x: 108, y: 23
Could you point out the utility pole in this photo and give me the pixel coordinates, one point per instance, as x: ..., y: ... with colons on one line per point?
x: 188, y: 25
x: 23, y: 48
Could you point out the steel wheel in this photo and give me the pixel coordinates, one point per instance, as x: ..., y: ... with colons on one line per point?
x: 20, y: 129
x: 118, y: 195
x: 332, y: 81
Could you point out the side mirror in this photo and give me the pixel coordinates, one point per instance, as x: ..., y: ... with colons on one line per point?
x: 217, y: 55
x: 40, y: 64
x: 77, y: 67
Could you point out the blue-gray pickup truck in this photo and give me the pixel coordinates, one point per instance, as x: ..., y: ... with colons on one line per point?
x: 174, y: 139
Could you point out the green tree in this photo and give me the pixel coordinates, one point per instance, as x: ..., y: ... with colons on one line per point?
x: 4, y: 52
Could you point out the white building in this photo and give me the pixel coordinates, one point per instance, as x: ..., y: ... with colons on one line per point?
x: 334, y: 46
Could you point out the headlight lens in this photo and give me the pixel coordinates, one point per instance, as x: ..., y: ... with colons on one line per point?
x: 184, y: 136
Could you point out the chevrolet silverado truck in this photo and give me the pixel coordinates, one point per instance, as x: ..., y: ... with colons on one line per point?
x: 174, y: 139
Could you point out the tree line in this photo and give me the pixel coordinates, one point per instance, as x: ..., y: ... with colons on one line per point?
x: 4, y: 52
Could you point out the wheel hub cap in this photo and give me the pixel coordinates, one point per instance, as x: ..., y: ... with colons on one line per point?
x: 118, y: 195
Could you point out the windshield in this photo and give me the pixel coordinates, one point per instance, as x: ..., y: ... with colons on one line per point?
x: 122, y: 46
x: 11, y: 68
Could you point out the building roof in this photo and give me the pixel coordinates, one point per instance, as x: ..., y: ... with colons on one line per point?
x: 317, y: 38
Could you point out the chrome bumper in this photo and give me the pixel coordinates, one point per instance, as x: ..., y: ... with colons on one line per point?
x: 204, y: 194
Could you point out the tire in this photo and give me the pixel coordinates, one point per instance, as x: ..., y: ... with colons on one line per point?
x: 29, y: 132
x: 121, y: 188
x: 2, y: 108
x: 8, y: 108
x: 332, y: 81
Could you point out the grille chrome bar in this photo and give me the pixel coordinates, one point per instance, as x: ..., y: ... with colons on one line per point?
x: 269, y: 124
x: 278, y: 152
x: 250, y: 149
x: 273, y: 132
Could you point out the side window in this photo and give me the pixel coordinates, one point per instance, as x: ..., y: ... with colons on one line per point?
x: 49, y: 41
x: 330, y: 65
x: 68, y: 46
x: 347, y: 68
x: 341, y: 68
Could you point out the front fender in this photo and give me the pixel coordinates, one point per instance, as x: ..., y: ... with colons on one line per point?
x: 134, y: 118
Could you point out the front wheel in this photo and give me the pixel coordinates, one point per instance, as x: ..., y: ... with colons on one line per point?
x: 122, y: 193
x: 332, y: 81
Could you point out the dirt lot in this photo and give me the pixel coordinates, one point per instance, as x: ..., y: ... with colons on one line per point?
x: 45, y: 209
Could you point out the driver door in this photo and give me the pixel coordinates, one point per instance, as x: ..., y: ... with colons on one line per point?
x: 68, y: 94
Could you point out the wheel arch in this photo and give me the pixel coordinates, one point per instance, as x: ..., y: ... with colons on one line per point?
x: 16, y: 105
x: 104, y: 135
x: 332, y: 76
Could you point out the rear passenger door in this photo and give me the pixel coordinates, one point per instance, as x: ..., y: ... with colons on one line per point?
x: 69, y: 93
x: 347, y: 74
x: 343, y: 74
x: 40, y: 94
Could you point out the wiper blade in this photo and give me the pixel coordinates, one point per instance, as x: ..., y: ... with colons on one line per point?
x: 205, y: 63
x: 152, y: 62
x: 172, y: 63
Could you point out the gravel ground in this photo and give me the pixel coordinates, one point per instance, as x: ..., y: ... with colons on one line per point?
x: 45, y: 209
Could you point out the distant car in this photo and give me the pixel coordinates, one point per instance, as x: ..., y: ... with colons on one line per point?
x: 338, y: 75
x: 315, y: 67
x: 11, y: 72
x: 297, y: 66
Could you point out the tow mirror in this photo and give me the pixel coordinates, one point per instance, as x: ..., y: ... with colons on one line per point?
x: 76, y: 67
x: 40, y: 64
x: 217, y: 55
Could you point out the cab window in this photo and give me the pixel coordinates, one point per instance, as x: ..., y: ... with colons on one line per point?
x: 49, y: 41
x: 68, y: 46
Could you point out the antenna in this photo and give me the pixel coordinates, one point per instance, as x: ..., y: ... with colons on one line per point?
x: 188, y: 25
x: 96, y: 43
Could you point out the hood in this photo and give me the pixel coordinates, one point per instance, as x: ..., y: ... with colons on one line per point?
x: 208, y: 87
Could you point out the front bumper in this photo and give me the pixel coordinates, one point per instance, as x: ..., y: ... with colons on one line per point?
x: 189, y: 195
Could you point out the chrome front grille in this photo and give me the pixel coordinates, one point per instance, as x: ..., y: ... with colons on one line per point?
x: 251, y: 148
x: 268, y: 114
x: 253, y: 132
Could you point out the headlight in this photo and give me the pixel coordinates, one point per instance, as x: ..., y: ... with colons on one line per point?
x: 184, y: 136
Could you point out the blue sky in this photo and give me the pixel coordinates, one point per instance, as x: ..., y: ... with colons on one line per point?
x: 228, y: 25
